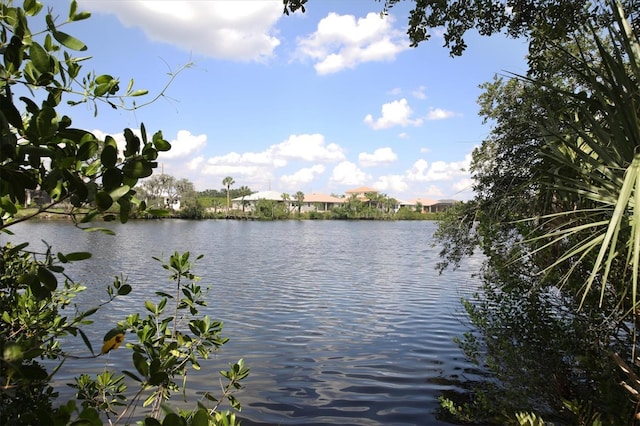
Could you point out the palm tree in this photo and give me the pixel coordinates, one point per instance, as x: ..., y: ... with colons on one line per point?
x: 285, y: 200
x: 243, y: 191
x: 597, y: 168
x: 227, y: 182
x: 299, y: 197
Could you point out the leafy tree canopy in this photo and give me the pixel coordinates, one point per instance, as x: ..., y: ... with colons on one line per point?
x: 91, y: 178
x: 553, y: 19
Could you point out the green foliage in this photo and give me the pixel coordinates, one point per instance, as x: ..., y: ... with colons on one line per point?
x: 540, y: 21
x: 85, y: 179
x: 228, y: 182
x: 271, y: 210
x: 86, y: 173
x: 166, y: 346
x: 555, y: 217
x: 32, y: 302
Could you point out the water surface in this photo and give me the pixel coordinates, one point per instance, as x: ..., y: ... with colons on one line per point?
x: 340, y: 322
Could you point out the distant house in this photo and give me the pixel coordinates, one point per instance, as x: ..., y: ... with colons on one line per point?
x: 442, y: 206
x: 361, y: 192
x: 320, y: 202
x: 251, y: 200
x: 37, y: 197
x: 428, y: 205
x: 172, y: 203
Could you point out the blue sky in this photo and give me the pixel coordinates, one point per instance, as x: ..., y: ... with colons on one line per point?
x: 319, y: 102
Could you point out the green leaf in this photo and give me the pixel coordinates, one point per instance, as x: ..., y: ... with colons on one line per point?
x: 124, y: 290
x: 133, y: 376
x: 78, y: 255
x: 157, y: 379
x: 101, y: 89
x: 98, y: 229
x: 200, y: 418
x: 86, y: 341
x: 11, y: 113
x: 141, y: 364
x: 7, y: 205
x: 117, y: 193
x: 112, y: 178
x: 160, y: 143
x: 172, y: 419
x: 46, y: 122
x: 81, y: 16
x: 39, y: 57
x: 32, y: 7
x: 12, y: 352
x: 103, y: 200
x: 89, y: 416
x: 87, y: 150
x: 47, y: 278
x: 109, y: 156
x: 73, y: 8
x: 138, y: 169
x: 133, y: 143
x: 69, y: 41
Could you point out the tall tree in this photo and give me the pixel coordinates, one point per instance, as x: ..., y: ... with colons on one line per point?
x: 299, y: 200
x: 556, y: 215
x: 88, y: 176
x: 244, y: 191
x: 542, y: 21
x: 286, y: 202
x: 227, y: 182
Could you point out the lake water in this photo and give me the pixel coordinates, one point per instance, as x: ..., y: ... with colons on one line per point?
x: 340, y: 322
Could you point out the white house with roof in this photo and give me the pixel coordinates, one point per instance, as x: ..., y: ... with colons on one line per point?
x: 316, y: 202
x: 428, y: 205
x: 250, y: 201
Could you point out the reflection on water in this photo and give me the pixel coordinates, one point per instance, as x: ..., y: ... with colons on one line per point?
x: 340, y: 322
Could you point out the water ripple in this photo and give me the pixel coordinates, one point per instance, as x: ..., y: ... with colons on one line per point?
x: 341, y: 322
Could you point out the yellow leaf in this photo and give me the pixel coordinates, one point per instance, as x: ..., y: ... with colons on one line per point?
x: 112, y: 340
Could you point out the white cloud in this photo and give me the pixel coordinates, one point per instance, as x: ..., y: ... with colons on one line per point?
x: 195, y: 163
x: 379, y: 157
x: 434, y: 192
x: 225, y: 29
x: 422, y: 171
x: 302, y: 177
x: 184, y: 144
x: 419, y: 93
x: 307, y: 147
x: 439, y: 114
x: 403, y: 135
x: 257, y: 169
x: 347, y: 173
x: 391, y: 184
x: 463, y: 185
x: 395, y: 113
x: 425, y: 150
x: 341, y: 41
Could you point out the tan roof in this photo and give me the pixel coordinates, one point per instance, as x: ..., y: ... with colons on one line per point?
x: 423, y: 201
x: 361, y: 190
x: 322, y: 198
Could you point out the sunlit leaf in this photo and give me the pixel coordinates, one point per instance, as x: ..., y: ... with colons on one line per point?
x: 69, y: 41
